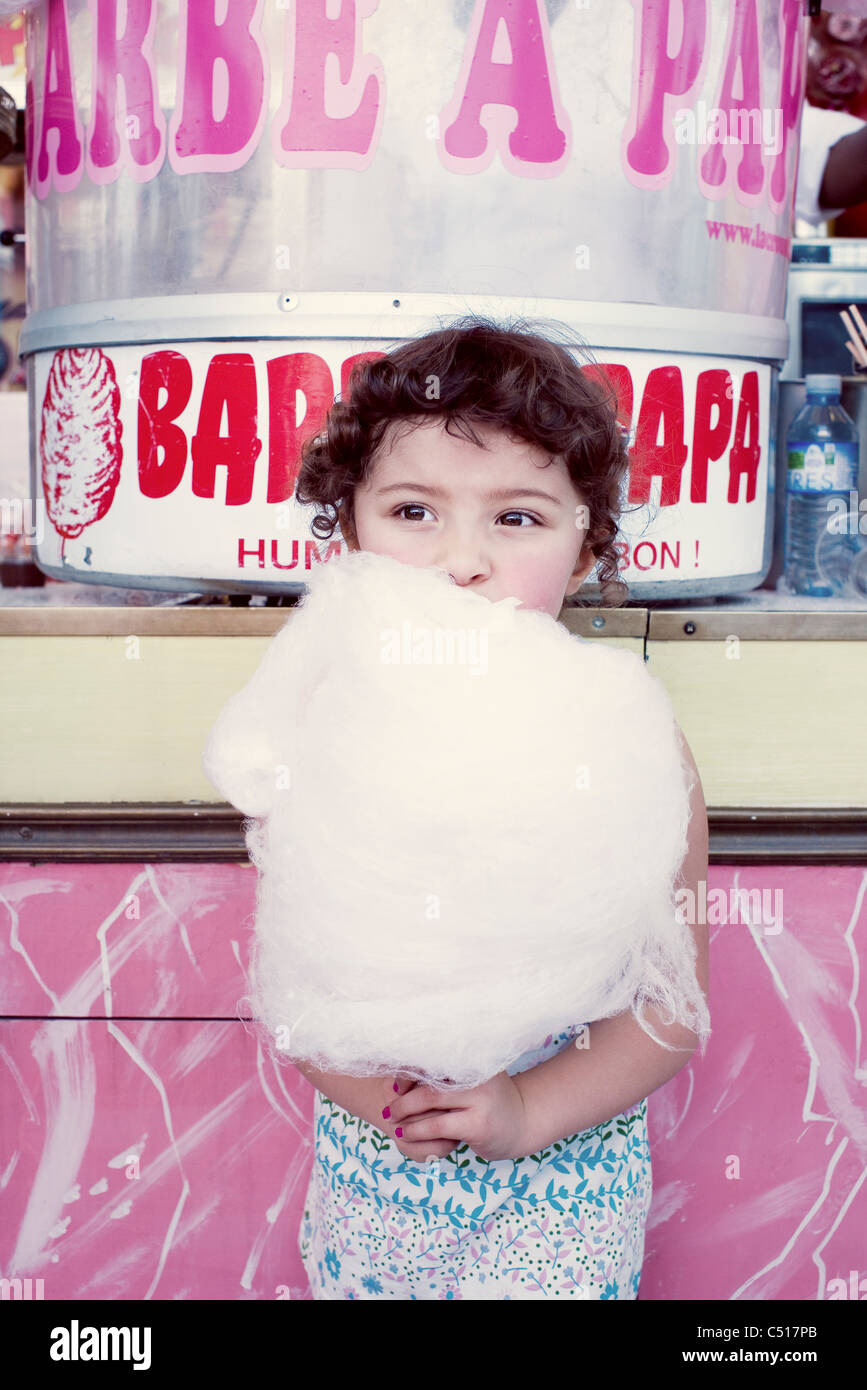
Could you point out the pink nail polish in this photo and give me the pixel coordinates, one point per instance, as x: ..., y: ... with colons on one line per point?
x: 396, y: 1087
x: 386, y: 1112
x: 399, y: 1133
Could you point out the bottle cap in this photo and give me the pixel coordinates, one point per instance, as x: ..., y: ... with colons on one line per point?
x: 817, y: 381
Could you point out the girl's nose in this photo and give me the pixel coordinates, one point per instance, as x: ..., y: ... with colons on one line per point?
x: 467, y: 573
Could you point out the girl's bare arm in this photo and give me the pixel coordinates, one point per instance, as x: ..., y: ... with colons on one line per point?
x: 844, y: 182
x: 365, y: 1096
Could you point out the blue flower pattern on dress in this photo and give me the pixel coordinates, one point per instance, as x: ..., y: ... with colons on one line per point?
x: 568, y: 1222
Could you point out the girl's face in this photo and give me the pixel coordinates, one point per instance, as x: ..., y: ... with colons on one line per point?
x: 426, y: 503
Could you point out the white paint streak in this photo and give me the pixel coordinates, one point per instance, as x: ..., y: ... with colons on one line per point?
x: 24, y: 1090
x: 135, y: 1150
x: 829, y: 1054
x: 182, y: 931
x: 817, y: 1257
x: 297, y: 1169
x: 271, y: 1098
x: 202, y: 1044
x: 744, y: 1216
x: 803, y: 1223
x: 162, y: 1165
x: 280, y: 1071
x: 132, y: 1051
x: 735, y: 1073
x: 16, y: 944
x: 9, y: 1169
x: 131, y: 935
x: 860, y: 1069
x: 807, y: 1111
x: 667, y: 1201
x: 62, y: 1052
x: 682, y: 1116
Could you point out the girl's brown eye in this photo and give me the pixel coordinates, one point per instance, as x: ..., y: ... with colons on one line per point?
x: 418, y: 507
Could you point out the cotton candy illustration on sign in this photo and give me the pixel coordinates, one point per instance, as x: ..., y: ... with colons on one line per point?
x: 467, y: 824
x: 80, y: 444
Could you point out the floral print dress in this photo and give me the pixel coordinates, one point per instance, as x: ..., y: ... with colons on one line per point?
x: 568, y: 1222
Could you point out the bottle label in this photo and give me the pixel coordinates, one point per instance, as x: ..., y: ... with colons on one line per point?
x: 830, y: 467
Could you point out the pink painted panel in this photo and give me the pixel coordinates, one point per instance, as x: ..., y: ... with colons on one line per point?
x: 164, y: 940
x: 778, y: 1099
x: 162, y: 1157
x: 153, y: 1159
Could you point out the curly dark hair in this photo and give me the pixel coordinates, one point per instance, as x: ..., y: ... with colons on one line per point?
x: 509, y: 377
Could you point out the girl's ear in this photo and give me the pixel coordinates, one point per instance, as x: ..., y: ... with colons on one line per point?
x: 583, y: 565
x: 347, y: 528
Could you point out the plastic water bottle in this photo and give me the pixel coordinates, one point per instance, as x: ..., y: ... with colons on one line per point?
x: 822, y: 448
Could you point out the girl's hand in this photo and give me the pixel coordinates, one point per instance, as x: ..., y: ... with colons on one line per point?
x: 416, y: 1153
x: 490, y: 1118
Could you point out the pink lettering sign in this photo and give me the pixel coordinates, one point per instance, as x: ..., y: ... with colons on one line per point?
x: 669, y: 54
x: 59, y: 157
x: 744, y: 456
x: 223, y: 87
x: 309, y: 374
x: 662, y: 409
x: 714, y: 391
x: 716, y: 169
x: 136, y: 140
x: 508, y: 72
x: 231, y: 386
x: 321, y: 124
x: 29, y: 132
x: 505, y: 101
x: 793, y: 76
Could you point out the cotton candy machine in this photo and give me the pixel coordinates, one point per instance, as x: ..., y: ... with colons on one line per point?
x: 270, y: 191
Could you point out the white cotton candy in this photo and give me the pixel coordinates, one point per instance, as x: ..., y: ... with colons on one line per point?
x: 456, y: 857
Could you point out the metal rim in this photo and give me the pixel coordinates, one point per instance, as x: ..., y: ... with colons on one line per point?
x: 393, y: 318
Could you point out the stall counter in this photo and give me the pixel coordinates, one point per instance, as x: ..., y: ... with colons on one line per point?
x: 159, y: 1152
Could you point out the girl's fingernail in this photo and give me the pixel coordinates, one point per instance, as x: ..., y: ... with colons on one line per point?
x: 399, y: 1133
x: 396, y: 1087
x: 386, y: 1112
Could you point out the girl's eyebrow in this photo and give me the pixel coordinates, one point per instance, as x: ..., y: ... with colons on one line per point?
x: 497, y: 495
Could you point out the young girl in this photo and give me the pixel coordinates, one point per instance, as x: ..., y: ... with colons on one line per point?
x: 538, y: 1183
x: 488, y: 454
